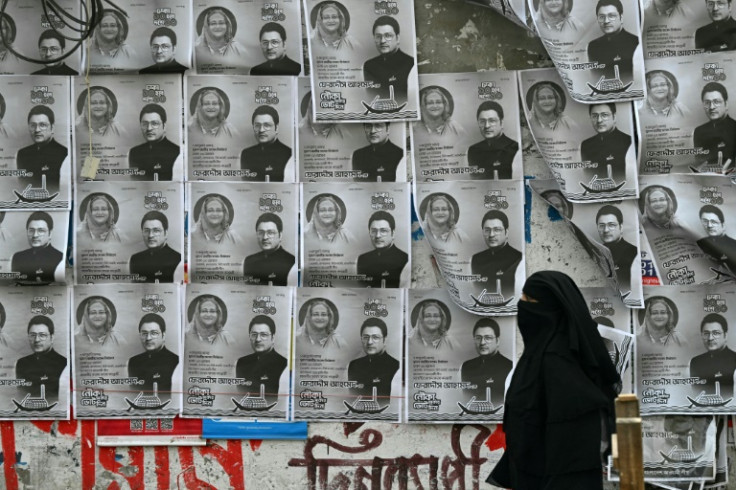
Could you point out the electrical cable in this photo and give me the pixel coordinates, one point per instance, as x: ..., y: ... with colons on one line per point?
x: 91, y: 13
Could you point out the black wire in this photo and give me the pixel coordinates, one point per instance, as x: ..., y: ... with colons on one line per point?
x: 85, y: 25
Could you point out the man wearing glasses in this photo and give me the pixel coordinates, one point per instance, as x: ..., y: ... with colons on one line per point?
x: 717, y: 245
x: 718, y: 363
x: 376, y: 369
x: 264, y: 366
x: 155, y: 158
x: 490, y: 368
x: 382, y: 266
x: 45, y: 156
x: 158, y: 262
x: 616, y: 46
x: 38, y: 263
x: 493, y: 157
x: 609, y: 221
x: 163, y: 50
x: 719, y: 35
x: 273, y: 45
x: 45, y: 366
x: 270, y: 266
x: 267, y: 160
x: 717, y: 137
x: 609, y: 146
x: 51, y: 46
x: 500, y: 260
x: 157, y: 363
x: 378, y: 161
x: 391, y: 68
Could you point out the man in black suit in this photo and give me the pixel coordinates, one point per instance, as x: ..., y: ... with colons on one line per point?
x: 159, y: 262
x: 616, y: 46
x: 490, y: 368
x: 51, y: 46
x: 391, y: 68
x: 37, y: 264
x: 45, y: 365
x: 609, y: 221
x: 378, y: 161
x: 718, y: 363
x: 376, y: 369
x: 270, y: 266
x: 500, y: 260
x: 163, y: 50
x: 494, y: 156
x: 264, y: 366
x: 609, y: 146
x: 717, y: 245
x: 383, y: 265
x: 157, y: 363
x: 155, y: 158
x: 719, y: 35
x: 718, y: 135
x: 273, y: 45
x: 267, y: 160
x: 45, y: 156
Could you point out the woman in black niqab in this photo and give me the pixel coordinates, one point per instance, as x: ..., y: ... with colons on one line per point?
x: 559, y: 411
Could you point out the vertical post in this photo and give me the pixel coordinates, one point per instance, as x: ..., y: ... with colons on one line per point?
x: 627, y: 447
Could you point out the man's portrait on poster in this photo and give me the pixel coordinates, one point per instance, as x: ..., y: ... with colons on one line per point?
x: 44, y: 366
x: 156, y: 364
x: 272, y: 264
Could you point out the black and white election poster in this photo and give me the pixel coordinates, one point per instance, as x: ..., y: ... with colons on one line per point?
x: 42, y: 34
x: 355, y: 235
x: 686, y: 360
x: 243, y: 232
x: 596, y: 46
x: 357, y: 328
x: 614, y: 325
x: 35, y: 165
x: 469, y: 127
x: 141, y: 37
x: 588, y: 147
x: 459, y: 363
x: 128, y: 232
x: 677, y: 448
x: 673, y: 28
x: 685, y: 218
x: 127, y: 349
x: 33, y: 247
x: 240, y: 128
x: 363, y: 59
x: 337, y: 152
x: 609, y: 232
x: 34, y: 348
x: 237, y: 368
x: 132, y: 124
x: 242, y: 37
x: 476, y: 231
x: 684, y: 123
